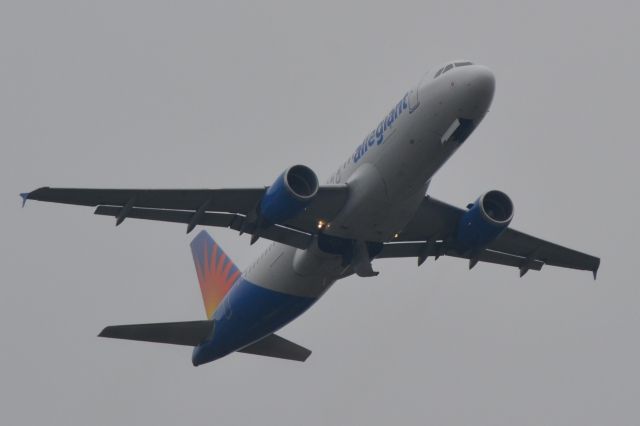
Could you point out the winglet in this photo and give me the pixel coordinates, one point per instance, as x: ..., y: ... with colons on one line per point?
x: 595, y: 269
x: 25, y: 197
x: 36, y: 194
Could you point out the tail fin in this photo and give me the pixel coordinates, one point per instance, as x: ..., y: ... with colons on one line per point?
x: 216, y: 272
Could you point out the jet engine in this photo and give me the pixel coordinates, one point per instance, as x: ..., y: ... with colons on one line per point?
x: 485, y: 219
x: 292, y: 191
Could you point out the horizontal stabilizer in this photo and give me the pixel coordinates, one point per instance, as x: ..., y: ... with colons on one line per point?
x: 277, y: 347
x: 188, y: 333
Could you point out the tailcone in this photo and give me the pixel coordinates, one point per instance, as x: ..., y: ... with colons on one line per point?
x: 206, y: 352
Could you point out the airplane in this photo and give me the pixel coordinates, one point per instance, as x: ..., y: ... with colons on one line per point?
x: 374, y: 206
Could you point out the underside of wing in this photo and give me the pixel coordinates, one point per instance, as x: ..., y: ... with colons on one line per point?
x: 242, y: 199
x: 238, y: 209
x: 424, y: 250
x: 268, y: 213
x: 434, y: 231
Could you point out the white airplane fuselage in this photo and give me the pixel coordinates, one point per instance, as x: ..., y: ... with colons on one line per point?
x: 387, y: 176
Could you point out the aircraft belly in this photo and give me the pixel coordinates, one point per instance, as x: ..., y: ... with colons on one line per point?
x: 274, y: 271
x: 365, y: 213
x: 398, y: 174
x: 387, y: 202
x: 248, y: 313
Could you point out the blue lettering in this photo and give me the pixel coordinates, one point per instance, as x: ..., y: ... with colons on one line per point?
x: 372, y: 138
x: 377, y: 136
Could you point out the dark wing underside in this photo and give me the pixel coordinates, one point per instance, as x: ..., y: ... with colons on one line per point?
x: 431, y: 232
x: 233, y: 208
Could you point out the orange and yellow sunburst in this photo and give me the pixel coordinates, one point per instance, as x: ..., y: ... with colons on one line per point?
x: 216, y: 272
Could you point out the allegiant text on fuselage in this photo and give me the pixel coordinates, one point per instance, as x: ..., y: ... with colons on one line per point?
x: 376, y: 137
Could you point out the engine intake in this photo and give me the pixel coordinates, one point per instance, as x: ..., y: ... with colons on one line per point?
x: 292, y: 191
x: 485, y: 220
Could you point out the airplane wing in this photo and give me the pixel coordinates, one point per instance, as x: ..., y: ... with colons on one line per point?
x: 431, y: 232
x: 233, y: 208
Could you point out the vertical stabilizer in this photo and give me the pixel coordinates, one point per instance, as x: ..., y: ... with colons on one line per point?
x: 216, y: 272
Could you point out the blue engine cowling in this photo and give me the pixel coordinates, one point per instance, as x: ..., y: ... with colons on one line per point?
x: 289, y: 195
x: 486, y: 218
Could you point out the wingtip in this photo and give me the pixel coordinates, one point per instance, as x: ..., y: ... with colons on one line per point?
x: 595, y: 270
x: 32, y: 195
x: 25, y: 197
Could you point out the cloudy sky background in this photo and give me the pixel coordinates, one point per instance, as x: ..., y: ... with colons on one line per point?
x: 191, y: 94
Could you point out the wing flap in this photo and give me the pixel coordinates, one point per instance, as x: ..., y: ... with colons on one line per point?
x: 423, y: 250
x: 176, y: 216
x: 277, y: 347
x: 521, y: 244
x: 278, y: 233
x: 188, y: 333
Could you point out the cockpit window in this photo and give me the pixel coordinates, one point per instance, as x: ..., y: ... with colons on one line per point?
x: 450, y: 66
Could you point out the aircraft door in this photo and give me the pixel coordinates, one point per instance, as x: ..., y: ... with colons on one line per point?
x: 414, y: 100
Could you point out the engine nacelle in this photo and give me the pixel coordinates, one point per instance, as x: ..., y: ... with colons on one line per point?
x: 486, y: 218
x: 289, y: 195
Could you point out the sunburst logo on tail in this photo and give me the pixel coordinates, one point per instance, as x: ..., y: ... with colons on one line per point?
x: 216, y: 272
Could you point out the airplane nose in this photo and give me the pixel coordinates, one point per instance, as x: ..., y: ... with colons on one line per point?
x: 479, y: 86
x: 483, y: 80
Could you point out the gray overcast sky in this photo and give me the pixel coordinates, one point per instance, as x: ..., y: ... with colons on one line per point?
x: 191, y: 94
